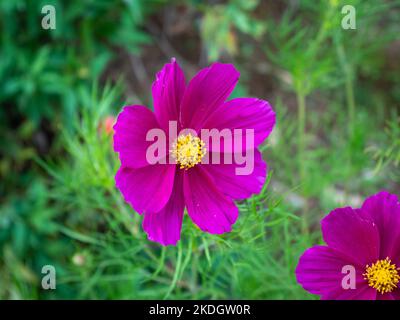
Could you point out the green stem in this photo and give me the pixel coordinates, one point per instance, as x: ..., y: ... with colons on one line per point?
x: 301, y: 101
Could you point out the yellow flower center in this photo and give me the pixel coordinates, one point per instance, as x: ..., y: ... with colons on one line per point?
x: 382, y: 275
x: 188, y: 150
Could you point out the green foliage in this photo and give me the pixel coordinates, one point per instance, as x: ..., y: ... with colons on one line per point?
x: 57, y: 62
x: 390, y: 153
x: 41, y: 70
x: 220, y: 25
x: 337, y: 140
x: 117, y: 256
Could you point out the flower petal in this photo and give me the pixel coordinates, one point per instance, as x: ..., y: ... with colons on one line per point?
x: 319, y: 271
x: 207, y: 91
x: 131, y: 128
x: 208, y: 208
x: 168, y: 90
x: 384, y: 210
x: 346, y: 231
x: 146, y: 189
x: 165, y: 226
x: 235, y: 185
x: 243, y: 113
x: 386, y: 296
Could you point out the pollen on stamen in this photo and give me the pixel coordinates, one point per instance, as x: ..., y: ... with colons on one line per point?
x: 188, y: 150
x: 382, y: 275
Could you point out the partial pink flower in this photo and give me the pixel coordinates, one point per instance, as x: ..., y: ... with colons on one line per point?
x: 366, y: 239
x: 161, y: 192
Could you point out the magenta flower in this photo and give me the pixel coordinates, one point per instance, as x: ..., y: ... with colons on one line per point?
x: 161, y: 191
x: 362, y: 258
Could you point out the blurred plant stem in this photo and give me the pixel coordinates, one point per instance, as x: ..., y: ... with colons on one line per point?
x: 349, y: 88
x: 301, y: 125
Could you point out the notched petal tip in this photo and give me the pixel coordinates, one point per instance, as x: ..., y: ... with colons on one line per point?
x: 383, y: 196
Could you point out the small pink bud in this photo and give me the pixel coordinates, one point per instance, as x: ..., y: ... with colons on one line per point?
x: 107, y: 125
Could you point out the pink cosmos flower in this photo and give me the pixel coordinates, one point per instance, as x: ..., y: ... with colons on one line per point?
x: 162, y: 191
x: 361, y: 243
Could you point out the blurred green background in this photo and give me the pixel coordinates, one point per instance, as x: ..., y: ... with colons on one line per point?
x: 336, y: 93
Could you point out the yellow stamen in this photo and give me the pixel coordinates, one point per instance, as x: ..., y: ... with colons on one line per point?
x: 188, y: 150
x: 382, y: 275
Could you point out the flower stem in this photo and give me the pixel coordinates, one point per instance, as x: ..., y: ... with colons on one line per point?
x: 301, y: 145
